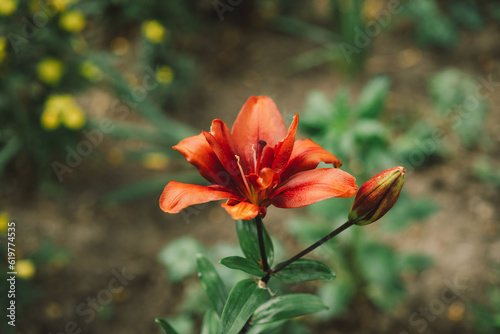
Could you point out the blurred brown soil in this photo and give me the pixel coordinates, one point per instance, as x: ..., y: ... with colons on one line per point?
x: 462, y: 237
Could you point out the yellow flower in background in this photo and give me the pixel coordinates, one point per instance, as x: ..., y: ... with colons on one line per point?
x: 3, y: 43
x: 90, y: 71
x: 25, y: 269
x: 50, y: 119
x: 165, y: 75
x: 4, y: 220
x: 50, y: 70
x: 155, y: 161
x: 72, y: 21
x: 61, y: 5
x: 154, y: 31
x: 62, y: 109
x: 74, y: 117
x: 7, y: 7
x: 58, y: 102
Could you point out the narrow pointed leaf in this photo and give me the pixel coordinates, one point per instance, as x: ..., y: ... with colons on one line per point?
x: 211, y: 323
x: 243, y: 264
x: 212, y: 282
x: 166, y: 326
x: 304, y: 270
x: 286, y: 307
x: 249, y: 241
x: 243, y: 300
x: 372, y: 98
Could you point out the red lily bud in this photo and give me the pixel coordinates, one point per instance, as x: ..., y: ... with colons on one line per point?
x: 377, y: 196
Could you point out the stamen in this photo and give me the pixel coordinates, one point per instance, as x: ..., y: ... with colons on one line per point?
x: 243, y: 176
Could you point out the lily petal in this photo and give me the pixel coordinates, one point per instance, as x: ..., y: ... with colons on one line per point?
x: 267, y: 157
x: 242, y: 210
x: 177, y: 196
x: 311, y: 186
x: 259, y: 120
x: 222, y: 134
x: 285, y: 147
x: 307, y: 155
x: 197, y: 151
x: 225, y: 158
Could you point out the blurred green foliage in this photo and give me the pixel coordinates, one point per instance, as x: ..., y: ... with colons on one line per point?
x: 361, y: 134
x: 487, y: 314
x: 356, y: 133
x: 438, y: 23
x: 47, y: 258
x: 53, y: 52
x: 345, y: 29
x: 456, y: 96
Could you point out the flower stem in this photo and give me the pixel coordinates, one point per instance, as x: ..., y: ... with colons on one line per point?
x: 260, y: 234
x: 307, y: 250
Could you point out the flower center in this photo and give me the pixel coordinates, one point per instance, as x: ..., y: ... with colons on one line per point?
x: 257, y: 155
x: 248, y: 190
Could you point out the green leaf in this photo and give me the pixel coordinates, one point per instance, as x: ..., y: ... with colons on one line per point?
x: 212, y: 282
x: 178, y: 256
x: 166, y: 326
x: 8, y: 151
x: 249, y: 241
x: 414, y: 262
x: 432, y: 27
x: 467, y: 14
x: 243, y: 264
x: 211, y: 323
x: 318, y: 111
x: 304, y: 270
x: 407, y: 211
x: 288, y: 306
x: 279, y: 327
x: 372, y: 99
x: 270, y: 328
x: 244, y: 299
x: 451, y: 91
x: 336, y: 297
x: 378, y: 266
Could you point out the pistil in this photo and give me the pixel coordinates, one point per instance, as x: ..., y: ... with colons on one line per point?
x: 247, y: 187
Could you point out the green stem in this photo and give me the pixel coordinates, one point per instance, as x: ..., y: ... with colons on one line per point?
x: 307, y: 250
x: 260, y: 234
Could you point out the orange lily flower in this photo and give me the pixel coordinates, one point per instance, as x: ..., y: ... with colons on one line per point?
x: 256, y: 164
